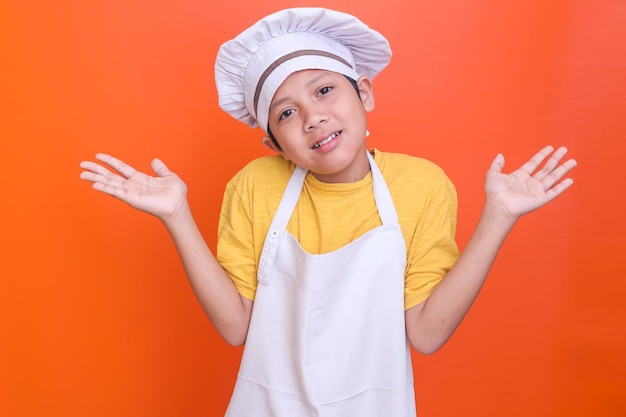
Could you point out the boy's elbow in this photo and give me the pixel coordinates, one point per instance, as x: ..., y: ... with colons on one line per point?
x: 424, y: 341
x: 233, y: 335
x: 425, y: 337
x: 234, y: 328
x: 424, y: 345
x: 234, y: 340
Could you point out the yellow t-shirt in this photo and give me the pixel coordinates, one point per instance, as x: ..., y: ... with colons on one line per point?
x: 329, y: 216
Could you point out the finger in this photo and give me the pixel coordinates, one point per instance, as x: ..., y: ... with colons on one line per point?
x: 95, y: 168
x: 159, y: 168
x: 497, y: 165
x: 112, y: 189
x: 556, y: 191
x: 534, y: 162
x: 97, y: 173
x: 109, y: 184
x: 556, y: 175
x: 118, y: 165
x: 105, y: 179
x: 552, y: 163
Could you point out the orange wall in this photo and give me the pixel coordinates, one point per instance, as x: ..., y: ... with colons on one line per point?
x: 96, y: 316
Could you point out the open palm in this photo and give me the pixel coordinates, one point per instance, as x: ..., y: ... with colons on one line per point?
x: 529, y: 187
x: 162, y: 195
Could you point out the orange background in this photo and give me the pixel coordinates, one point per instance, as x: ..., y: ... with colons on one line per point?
x: 96, y: 316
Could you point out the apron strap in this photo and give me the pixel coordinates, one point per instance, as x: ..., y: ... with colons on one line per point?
x: 279, y: 223
x: 384, y: 203
x: 382, y: 196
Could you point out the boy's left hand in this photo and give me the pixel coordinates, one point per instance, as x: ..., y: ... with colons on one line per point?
x: 529, y: 187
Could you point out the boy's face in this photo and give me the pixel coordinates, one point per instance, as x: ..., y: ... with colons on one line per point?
x: 319, y: 121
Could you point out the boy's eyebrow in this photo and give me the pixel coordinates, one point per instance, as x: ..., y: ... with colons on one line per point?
x: 287, y: 57
x: 278, y: 103
x: 308, y: 84
x: 315, y: 79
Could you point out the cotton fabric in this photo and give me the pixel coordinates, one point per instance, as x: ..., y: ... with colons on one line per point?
x: 250, y: 68
x: 307, y: 345
x: 328, y: 216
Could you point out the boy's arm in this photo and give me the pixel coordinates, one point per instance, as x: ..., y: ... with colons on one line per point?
x: 228, y: 311
x: 431, y: 323
x: 165, y: 196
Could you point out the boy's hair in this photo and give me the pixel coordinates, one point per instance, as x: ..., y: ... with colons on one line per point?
x: 271, y: 135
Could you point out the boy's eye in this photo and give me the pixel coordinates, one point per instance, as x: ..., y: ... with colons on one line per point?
x: 325, y: 90
x: 285, y: 114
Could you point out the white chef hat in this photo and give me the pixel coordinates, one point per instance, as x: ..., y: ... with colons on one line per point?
x: 250, y: 68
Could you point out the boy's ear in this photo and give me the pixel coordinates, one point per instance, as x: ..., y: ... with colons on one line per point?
x: 366, y: 91
x: 269, y: 144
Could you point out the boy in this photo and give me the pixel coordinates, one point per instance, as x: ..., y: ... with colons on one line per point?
x: 330, y: 257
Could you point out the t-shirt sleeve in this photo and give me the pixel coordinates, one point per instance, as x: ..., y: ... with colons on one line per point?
x: 235, y: 243
x: 250, y: 200
x: 432, y: 250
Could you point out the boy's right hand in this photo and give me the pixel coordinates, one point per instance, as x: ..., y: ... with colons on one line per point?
x: 163, y: 195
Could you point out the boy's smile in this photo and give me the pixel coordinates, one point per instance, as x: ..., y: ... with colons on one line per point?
x: 325, y: 141
x: 319, y: 121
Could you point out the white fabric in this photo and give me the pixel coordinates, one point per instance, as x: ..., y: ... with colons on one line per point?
x: 256, y: 62
x: 327, y: 336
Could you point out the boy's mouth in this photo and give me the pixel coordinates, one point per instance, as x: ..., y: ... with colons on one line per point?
x: 325, y: 141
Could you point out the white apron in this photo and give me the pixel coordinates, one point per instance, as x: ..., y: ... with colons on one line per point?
x: 327, y: 334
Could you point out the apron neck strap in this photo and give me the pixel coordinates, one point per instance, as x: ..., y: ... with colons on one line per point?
x: 384, y: 203
x: 290, y: 199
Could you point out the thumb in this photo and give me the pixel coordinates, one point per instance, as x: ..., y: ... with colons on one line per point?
x: 159, y: 168
x: 497, y: 164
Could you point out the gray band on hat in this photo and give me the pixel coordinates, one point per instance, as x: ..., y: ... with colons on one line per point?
x: 285, y: 58
x: 252, y: 66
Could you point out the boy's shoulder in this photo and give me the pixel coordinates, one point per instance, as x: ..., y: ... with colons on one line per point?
x: 269, y: 162
x: 275, y: 171
x: 265, y: 169
x: 399, y: 164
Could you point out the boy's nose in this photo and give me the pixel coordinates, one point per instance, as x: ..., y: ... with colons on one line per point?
x: 315, y: 117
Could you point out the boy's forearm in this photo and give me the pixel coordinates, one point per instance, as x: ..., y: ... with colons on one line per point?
x: 227, y: 310
x: 430, y: 324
